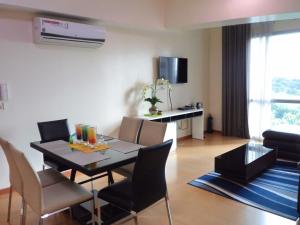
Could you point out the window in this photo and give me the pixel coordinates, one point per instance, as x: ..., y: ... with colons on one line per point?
x: 283, y: 56
x: 274, y: 83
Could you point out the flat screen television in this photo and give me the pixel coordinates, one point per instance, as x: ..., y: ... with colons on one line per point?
x: 173, y: 69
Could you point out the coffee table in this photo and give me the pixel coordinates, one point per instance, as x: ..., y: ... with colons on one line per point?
x: 245, y: 162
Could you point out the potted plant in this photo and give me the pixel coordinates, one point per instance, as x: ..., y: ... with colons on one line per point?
x: 153, y: 100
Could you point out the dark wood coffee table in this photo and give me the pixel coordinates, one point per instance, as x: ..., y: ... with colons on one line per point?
x: 245, y: 162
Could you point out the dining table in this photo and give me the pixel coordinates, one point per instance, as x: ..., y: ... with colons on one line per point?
x: 118, y: 153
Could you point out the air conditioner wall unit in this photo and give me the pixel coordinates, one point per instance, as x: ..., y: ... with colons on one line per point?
x: 53, y: 31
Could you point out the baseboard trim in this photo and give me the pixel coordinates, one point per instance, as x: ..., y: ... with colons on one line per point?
x: 205, y: 132
x: 184, y: 138
x: 214, y: 132
x: 4, y: 191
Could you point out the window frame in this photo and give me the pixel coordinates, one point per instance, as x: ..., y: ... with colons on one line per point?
x: 292, y: 101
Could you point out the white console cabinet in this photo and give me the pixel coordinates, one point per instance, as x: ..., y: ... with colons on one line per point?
x: 170, y: 117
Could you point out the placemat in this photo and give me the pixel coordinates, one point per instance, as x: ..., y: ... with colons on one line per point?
x: 87, y: 149
x: 83, y: 159
x: 124, y: 147
x: 62, y: 149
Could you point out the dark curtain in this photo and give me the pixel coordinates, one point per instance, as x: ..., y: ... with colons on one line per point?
x: 234, y: 80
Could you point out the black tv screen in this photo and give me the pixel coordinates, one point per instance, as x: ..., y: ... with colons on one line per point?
x: 173, y: 69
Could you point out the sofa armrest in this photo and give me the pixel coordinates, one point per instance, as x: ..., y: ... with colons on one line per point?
x: 281, y: 136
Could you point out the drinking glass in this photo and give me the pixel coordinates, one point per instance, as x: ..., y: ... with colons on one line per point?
x: 78, y: 128
x: 85, y: 129
x: 101, y: 137
x: 92, y: 135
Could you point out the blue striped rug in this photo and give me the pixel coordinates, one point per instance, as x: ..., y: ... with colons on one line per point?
x: 274, y: 191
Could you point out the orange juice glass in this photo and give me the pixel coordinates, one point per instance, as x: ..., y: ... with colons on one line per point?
x: 92, y: 135
x: 78, y: 128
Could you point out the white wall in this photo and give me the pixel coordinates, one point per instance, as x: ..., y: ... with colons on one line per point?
x: 96, y: 86
x: 215, y: 77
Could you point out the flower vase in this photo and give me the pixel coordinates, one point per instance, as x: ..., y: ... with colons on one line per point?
x: 153, y: 110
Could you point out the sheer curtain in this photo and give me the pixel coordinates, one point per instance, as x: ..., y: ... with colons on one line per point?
x: 259, y: 80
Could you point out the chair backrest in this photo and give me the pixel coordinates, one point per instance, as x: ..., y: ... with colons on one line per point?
x: 148, y: 179
x: 32, y: 189
x: 129, y: 129
x: 54, y: 130
x: 152, y: 133
x: 14, y: 174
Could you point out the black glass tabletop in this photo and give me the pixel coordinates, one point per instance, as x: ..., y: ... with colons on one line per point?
x: 245, y: 154
x: 118, y: 154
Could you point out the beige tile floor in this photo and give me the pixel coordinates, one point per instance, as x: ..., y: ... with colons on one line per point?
x: 189, y: 205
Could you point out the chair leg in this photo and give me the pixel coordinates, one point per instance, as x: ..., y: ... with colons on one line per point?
x: 70, y: 212
x: 110, y: 178
x: 98, y: 206
x: 168, y: 209
x: 135, y: 220
x: 73, y: 175
x: 23, y: 221
x: 93, y: 211
x: 9, y: 203
x: 92, y: 184
x: 22, y: 211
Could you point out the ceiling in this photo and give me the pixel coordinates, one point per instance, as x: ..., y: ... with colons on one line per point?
x: 163, y: 14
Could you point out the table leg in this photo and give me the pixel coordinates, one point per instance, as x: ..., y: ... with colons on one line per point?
x: 73, y: 174
x: 110, y: 177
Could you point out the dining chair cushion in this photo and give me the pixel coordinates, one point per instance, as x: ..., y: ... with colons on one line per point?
x: 14, y: 175
x: 63, y: 195
x: 152, y: 133
x: 50, y: 176
x: 129, y: 129
x: 119, y: 194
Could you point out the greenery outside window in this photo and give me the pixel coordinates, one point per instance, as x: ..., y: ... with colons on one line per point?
x: 283, y: 56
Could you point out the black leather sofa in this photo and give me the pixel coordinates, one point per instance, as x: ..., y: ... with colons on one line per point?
x: 287, y: 144
x: 288, y: 147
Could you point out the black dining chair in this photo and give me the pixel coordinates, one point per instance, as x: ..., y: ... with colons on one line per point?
x: 59, y: 130
x: 147, y: 186
x: 53, y: 131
